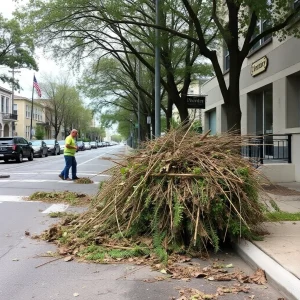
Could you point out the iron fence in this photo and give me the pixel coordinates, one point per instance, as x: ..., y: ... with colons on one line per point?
x: 271, y: 148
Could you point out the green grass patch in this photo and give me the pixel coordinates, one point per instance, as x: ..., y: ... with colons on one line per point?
x: 277, y: 216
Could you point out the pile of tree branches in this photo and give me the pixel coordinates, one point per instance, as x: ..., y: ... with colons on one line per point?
x: 181, y: 192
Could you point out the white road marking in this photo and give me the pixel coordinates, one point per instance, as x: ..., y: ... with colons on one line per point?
x: 94, y: 158
x: 49, y: 173
x: 9, y: 198
x: 44, y: 180
x: 55, y: 172
x: 55, y: 208
x: 34, y: 180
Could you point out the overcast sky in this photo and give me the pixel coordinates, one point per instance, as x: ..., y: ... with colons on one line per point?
x: 46, y: 65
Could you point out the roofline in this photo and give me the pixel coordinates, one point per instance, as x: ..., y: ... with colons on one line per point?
x: 35, y: 101
x: 5, y: 90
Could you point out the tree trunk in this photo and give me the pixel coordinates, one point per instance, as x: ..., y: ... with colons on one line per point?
x: 181, y: 105
x: 232, y: 103
x: 169, y: 113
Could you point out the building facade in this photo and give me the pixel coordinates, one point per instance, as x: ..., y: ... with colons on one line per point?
x: 40, y: 117
x: 269, y: 99
x: 8, y: 114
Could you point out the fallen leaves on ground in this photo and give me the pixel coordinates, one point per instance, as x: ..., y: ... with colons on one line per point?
x: 190, y: 293
x: 235, y: 289
x: 84, y: 180
x: 68, y: 258
x: 259, y: 277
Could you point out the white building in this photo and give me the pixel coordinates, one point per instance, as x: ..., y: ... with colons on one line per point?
x: 8, y: 114
x: 270, y: 104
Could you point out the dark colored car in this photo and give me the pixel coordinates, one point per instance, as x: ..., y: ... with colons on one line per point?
x: 80, y: 145
x: 15, y: 148
x: 40, y: 148
x: 53, y: 147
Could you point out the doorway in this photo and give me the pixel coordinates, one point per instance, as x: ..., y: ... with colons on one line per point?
x: 212, y: 121
x: 264, y: 119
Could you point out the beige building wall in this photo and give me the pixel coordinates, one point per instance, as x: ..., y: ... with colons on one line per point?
x: 39, y: 118
x: 281, y: 79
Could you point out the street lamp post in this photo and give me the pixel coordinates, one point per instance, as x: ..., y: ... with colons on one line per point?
x: 157, y: 72
x: 139, y: 100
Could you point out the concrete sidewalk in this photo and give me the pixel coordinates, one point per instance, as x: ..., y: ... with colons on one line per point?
x: 279, y: 253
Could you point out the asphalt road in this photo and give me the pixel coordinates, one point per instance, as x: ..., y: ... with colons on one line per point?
x: 42, y: 173
x: 27, y: 273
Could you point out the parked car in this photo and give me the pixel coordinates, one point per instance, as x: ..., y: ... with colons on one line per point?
x: 40, y: 148
x: 15, y: 148
x: 53, y: 147
x: 94, y: 145
x: 100, y: 144
x: 62, y: 146
x: 87, y: 146
x: 80, y: 145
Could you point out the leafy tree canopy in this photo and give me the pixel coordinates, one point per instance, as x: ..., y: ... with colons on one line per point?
x: 16, y: 48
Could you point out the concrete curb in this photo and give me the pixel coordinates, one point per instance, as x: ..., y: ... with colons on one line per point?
x: 285, y: 282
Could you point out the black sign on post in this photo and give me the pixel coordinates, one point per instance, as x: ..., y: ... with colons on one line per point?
x: 194, y: 101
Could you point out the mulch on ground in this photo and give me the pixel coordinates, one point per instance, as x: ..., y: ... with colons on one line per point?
x: 67, y: 197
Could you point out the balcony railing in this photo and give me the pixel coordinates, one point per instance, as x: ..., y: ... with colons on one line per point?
x: 9, y: 117
x: 269, y: 148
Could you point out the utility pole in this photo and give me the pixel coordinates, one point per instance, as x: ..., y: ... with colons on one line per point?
x: 13, y: 71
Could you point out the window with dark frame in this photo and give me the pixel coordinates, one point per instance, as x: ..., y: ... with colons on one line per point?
x: 7, y: 105
x: 262, y: 25
x: 2, y: 104
x: 296, y: 3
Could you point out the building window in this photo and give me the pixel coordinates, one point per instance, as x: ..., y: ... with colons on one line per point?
x: 296, y: 3
x: 7, y: 105
x: 2, y: 104
x: 15, y: 109
x: 264, y: 112
x: 226, y: 59
x: 28, y: 112
x: 27, y: 134
x: 262, y: 26
x: 293, y: 101
x: 40, y: 115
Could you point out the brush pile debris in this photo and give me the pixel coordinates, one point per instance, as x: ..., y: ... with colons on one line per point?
x: 179, y: 193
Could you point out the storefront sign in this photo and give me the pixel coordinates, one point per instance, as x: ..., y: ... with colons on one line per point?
x: 259, y: 66
x: 196, y: 102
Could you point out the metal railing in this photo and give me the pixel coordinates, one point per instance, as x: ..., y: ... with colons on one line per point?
x: 6, y: 116
x: 271, y: 148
